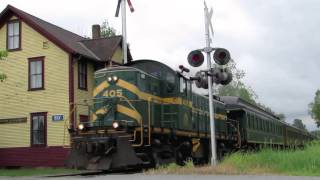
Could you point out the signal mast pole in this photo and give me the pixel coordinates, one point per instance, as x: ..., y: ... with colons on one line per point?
x: 124, y: 31
x: 208, y: 51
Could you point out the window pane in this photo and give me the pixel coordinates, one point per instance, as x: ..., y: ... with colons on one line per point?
x: 38, y: 81
x: 10, y: 29
x: 15, y: 42
x: 41, y: 137
x: 35, y: 123
x: 39, y: 67
x: 16, y: 28
x: 33, y: 81
x: 35, y: 139
x: 81, y: 81
x: 182, y: 86
x: 10, y: 42
x: 80, y: 68
x: 33, y: 67
x: 41, y: 123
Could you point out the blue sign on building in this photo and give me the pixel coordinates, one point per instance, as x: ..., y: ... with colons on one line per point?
x: 57, y: 117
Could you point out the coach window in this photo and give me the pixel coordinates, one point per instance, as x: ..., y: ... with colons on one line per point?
x: 248, y: 121
x: 266, y: 126
x: 252, y: 121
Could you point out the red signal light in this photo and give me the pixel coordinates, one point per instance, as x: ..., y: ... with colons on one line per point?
x: 221, y: 56
x: 195, y: 58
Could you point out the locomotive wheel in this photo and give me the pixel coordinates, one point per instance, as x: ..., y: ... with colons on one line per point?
x: 157, y: 160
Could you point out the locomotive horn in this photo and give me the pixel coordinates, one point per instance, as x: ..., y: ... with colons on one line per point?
x: 184, y: 69
x: 221, y: 56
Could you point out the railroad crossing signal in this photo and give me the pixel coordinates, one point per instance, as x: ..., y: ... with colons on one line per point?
x: 201, y: 79
x: 195, y: 58
x: 221, y: 56
x: 220, y: 75
x: 206, y: 78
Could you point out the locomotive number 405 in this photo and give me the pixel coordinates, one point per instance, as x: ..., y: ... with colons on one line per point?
x: 113, y: 93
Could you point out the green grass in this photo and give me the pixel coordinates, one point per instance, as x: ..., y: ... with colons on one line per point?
x: 35, y: 171
x: 301, y: 162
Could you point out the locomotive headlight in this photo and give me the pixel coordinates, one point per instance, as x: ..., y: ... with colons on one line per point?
x: 115, y: 125
x: 80, y: 126
x: 115, y: 78
x: 109, y: 79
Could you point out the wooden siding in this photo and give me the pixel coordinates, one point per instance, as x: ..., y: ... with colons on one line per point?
x: 17, y: 101
x: 117, y: 56
x: 81, y: 95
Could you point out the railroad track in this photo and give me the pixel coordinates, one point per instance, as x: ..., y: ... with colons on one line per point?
x: 97, y: 173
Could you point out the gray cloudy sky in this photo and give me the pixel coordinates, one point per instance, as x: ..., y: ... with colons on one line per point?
x: 276, y: 41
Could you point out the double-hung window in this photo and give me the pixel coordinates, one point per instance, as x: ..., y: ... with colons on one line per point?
x: 13, y: 35
x: 36, y: 73
x: 82, y: 75
x: 38, y: 129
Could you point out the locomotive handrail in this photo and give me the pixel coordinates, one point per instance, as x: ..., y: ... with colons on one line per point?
x: 149, y: 119
x: 141, y: 121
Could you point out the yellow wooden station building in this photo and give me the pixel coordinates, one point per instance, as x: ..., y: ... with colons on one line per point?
x: 49, y: 69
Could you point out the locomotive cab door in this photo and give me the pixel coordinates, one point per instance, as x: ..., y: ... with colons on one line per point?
x: 185, y: 110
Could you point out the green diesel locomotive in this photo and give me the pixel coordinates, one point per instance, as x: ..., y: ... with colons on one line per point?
x: 145, y: 114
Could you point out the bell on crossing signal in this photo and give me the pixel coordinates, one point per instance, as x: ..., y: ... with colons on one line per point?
x: 201, y: 79
x: 216, y: 74
x: 226, y: 77
x: 221, y: 76
x: 195, y: 58
x: 221, y: 56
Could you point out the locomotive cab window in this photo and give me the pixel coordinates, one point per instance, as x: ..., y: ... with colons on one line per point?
x: 189, y: 91
x: 142, y: 82
x: 170, y: 82
x: 183, y: 85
